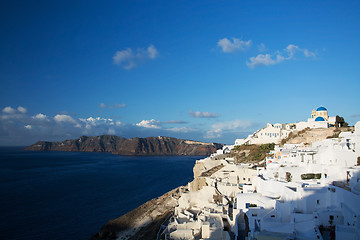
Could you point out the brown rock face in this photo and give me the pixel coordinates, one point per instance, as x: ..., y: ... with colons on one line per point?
x: 143, y: 222
x: 133, y: 146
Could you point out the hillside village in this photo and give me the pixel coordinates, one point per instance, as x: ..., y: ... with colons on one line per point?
x: 285, y: 181
x: 302, y: 181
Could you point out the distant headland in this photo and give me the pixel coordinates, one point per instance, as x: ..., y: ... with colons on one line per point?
x: 131, y: 147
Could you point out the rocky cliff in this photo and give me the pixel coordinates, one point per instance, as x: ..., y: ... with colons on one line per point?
x: 143, y: 222
x: 133, y: 146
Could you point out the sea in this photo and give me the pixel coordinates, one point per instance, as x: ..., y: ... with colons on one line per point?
x: 70, y: 195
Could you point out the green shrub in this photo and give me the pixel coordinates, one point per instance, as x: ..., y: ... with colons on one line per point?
x: 237, y: 148
x: 267, y: 147
x: 251, y: 153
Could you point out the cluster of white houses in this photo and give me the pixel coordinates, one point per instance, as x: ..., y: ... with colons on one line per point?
x: 311, y: 192
x: 303, y: 192
x: 275, y: 132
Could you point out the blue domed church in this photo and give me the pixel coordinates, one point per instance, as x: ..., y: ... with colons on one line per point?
x: 319, y: 119
x: 320, y: 114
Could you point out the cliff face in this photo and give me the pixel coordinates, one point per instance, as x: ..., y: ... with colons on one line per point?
x: 133, y: 146
x: 143, y: 222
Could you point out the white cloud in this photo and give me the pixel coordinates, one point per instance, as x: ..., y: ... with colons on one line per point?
x: 262, y: 47
x: 217, y: 129
x: 9, y: 110
x: 149, y: 124
x: 18, y: 128
x: 271, y: 59
x: 12, y: 113
x: 95, y: 119
x: 126, y: 55
x: 307, y: 53
x: 116, y: 105
x: 26, y: 129
x: 129, y: 65
x: 236, y: 44
x: 21, y: 109
x: 181, y: 129
x: 129, y: 59
x: 262, y: 59
x: 198, y: 114
x: 62, y: 118
x: 159, y: 125
x: 40, y: 116
x: 152, y: 52
x: 91, y: 122
x: 291, y: 49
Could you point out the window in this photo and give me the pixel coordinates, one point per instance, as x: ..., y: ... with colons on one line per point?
x: 317, y: 202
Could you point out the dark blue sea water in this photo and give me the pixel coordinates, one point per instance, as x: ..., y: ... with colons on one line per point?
x: 70, y: 195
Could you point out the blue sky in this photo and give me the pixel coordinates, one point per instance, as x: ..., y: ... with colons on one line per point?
x: 205, y: 70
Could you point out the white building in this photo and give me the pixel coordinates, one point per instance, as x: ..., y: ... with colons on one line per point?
x: 306, y: 192
x: 274, y: 133
x: 319, y: 119
x: 269, y: 134
x: 302, y: 193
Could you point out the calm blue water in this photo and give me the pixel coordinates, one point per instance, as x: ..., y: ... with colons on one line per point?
x: 70, y: 195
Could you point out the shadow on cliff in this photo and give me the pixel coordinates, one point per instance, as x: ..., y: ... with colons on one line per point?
x: 113, y: 228
x: 154, y: 212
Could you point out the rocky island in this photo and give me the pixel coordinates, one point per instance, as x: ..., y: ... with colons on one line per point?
x: 154, y: 146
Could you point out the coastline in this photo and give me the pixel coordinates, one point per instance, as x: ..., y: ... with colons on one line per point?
x: 69, y: 184
x: 215, y: 186
x: 144, y: 221
x: 150, y: 146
